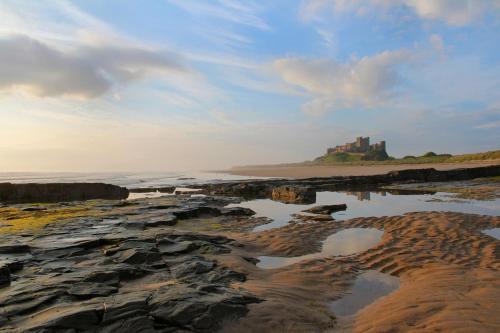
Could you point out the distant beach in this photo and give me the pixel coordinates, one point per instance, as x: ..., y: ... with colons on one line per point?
x: 306, y: 171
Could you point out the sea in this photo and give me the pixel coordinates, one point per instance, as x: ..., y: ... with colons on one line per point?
x: 128, y: 180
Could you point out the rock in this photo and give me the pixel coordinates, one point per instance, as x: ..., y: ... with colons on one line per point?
x: 198, y: 310
x: 126, y: 306
x: 196, y: 266
x: 168, y: 220
x: 194, y: 212
x: 166, y: 189
x: 138, y: 257
x: 78, y: 316
x: 33, y: 209
x: 294, y: 194
x: 158, y: 207
x: 237, y: 211
x: 4, y: 276
x: 85, y: 290
x: 29, y: 305
x: 12, y: 265
x: 326, y: 209
x: 14, y: 248
x: 136, y: 324
x: 180, y: 247
x: 108, y: 277
x: 56, y: 192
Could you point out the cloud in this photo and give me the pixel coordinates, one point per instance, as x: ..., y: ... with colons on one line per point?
x: 86, y: 71
x: 453, y: 12
x: 234, y: 11
x: 365, y: 82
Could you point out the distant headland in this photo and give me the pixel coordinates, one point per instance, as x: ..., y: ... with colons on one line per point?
x: 362, y: 158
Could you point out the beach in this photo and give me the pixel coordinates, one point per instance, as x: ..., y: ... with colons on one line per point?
x: 308, y: 171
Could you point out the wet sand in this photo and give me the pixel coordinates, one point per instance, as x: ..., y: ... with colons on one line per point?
x: 449, y: 272
x: 302, y: 171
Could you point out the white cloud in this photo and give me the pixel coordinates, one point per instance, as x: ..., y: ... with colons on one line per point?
x: 86, y: 71
x: 365, y: 82
x: 234, y: 11
x: 454, y: 12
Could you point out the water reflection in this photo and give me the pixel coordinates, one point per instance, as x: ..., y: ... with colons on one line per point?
x: 495, y: 232
x: 344, y: 242
x: 367, y: 288
x: 365, y: 204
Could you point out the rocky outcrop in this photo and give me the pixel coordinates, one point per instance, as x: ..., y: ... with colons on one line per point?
x: 294, y: 194
x: 326, y: 209
x: 250, y: 189
x: 97, y: 275
x: 165, y: 189
x: 57, y: 192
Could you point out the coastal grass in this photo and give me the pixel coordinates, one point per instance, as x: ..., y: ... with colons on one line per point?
x: 357, y: 160
x: 427, y: 158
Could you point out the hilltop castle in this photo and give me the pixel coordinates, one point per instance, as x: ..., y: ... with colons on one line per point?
x: 361, y: 145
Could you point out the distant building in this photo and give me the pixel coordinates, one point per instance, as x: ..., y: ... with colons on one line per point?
x: 361, y: 145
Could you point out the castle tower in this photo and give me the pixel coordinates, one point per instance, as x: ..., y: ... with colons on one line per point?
x: 382, y: 145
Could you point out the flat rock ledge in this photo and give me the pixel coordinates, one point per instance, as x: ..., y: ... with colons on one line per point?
x: 57, y: 192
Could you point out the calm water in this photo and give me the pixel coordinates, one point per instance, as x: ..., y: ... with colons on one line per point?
x: 365, y: 204
x: 129, y: 180
x: 495, y: 232
x: 344, y: 242
x: 368, y: 287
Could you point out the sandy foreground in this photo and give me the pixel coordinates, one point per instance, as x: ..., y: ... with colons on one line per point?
x: 338, y: 170
x: 449, y: 273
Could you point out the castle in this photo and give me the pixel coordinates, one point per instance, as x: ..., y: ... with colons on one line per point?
x: 361, y: 145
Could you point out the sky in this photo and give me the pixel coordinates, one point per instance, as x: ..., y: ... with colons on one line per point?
x: 174, y: 85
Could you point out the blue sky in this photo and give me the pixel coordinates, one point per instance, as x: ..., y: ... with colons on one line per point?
x: 108, y: 85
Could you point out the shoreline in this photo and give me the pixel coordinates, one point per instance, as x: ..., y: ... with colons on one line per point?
x: 309, y: 171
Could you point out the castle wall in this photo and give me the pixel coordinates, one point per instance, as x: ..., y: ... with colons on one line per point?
x: 361, y: 145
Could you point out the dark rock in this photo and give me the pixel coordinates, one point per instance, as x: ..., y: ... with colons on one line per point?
x: 126, y: 306
x: 197, y: 310
x: 165, y: 189
x: 54, y: 192
x: 180, y: 247
x: 138, y: 257
x: 135, y: 324
x: 294, y: 194
x: 12, y: 265
x: 4, y: 275
x: 24, y: 306
x: 168, y: 220
x: 237, y: 211
x: 225, y: 275
x: 108, y: 277
x: 194, y: 212
x: 326, y: 209
x: 79, y: 317
x: 158, y: 207
x: 193, y: 267
x: 14, y: 248
x: 33, y: 209
x: 200, y: 237
x: 86, y: 290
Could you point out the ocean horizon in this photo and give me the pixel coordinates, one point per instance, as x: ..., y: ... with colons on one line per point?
x: 126, y: 179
